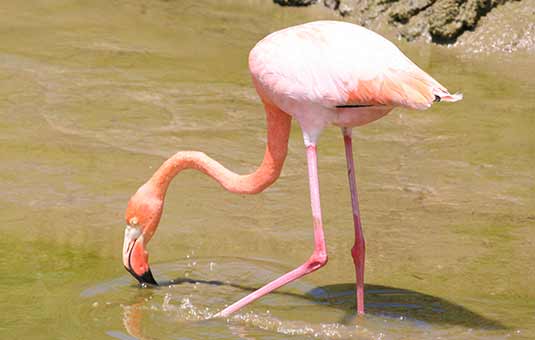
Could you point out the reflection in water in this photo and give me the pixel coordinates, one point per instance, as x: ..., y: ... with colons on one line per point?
x: 395, y: 308
x: 132, y: 315
x: 404, y: 304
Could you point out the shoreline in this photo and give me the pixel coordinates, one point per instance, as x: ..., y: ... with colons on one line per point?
x: 499, y: 25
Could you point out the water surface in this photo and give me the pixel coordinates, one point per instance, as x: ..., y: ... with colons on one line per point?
x: 95, y: 95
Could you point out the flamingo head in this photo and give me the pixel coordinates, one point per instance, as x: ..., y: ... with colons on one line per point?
x: 142, y: 217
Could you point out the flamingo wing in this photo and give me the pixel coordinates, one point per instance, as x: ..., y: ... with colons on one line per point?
x: 338, y: 64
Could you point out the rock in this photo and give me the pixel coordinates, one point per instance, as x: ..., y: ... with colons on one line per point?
x: 345, y: 10
x: 332, y: 4
x: 441, y: 21
x: 509, y: 28
x: 450, y: 18
x: 403, y: 11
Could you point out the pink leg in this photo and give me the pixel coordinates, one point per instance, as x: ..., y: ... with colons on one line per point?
x: 318, y: 258
x: 359, y: 249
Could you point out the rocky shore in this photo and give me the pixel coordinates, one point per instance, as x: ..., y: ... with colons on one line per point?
x: 439, y: 21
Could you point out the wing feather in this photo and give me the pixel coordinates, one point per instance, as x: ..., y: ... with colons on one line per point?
x: 413, y: 89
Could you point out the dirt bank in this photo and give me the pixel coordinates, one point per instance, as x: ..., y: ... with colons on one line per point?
x: 442, y: 21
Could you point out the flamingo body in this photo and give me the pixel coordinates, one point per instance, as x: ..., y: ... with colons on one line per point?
x: 320, y: 73
x: 310, y: 69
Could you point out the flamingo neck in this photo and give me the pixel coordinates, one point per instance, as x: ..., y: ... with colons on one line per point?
x: 278, y: 131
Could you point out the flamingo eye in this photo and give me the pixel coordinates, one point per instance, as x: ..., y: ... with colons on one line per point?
x: 133, y: 221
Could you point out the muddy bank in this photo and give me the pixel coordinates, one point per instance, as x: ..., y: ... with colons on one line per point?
x: 440, y: 21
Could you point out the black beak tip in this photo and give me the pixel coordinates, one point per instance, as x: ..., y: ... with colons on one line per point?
x: 146, y: 279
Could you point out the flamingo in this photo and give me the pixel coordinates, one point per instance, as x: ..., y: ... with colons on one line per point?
x: 320, y: 73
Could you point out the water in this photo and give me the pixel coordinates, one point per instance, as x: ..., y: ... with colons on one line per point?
x: 94, y: 96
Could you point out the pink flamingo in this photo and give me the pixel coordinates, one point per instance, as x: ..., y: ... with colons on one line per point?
x: 319, y: 73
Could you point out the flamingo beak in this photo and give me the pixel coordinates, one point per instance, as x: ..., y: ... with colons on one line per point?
x: 135, y: 257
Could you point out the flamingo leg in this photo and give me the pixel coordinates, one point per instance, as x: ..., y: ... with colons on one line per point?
x: 319, y: 256
x: 359, y: 249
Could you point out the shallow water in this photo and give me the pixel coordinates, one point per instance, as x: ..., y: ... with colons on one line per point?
x: 94, y: 96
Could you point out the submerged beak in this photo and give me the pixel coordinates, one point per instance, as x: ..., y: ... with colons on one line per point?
x: 135, y: 257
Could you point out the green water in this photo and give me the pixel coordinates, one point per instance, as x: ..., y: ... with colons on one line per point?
x: 95, y: 95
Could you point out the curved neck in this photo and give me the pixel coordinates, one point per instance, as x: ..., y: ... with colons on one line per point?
x: 278, y: 132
